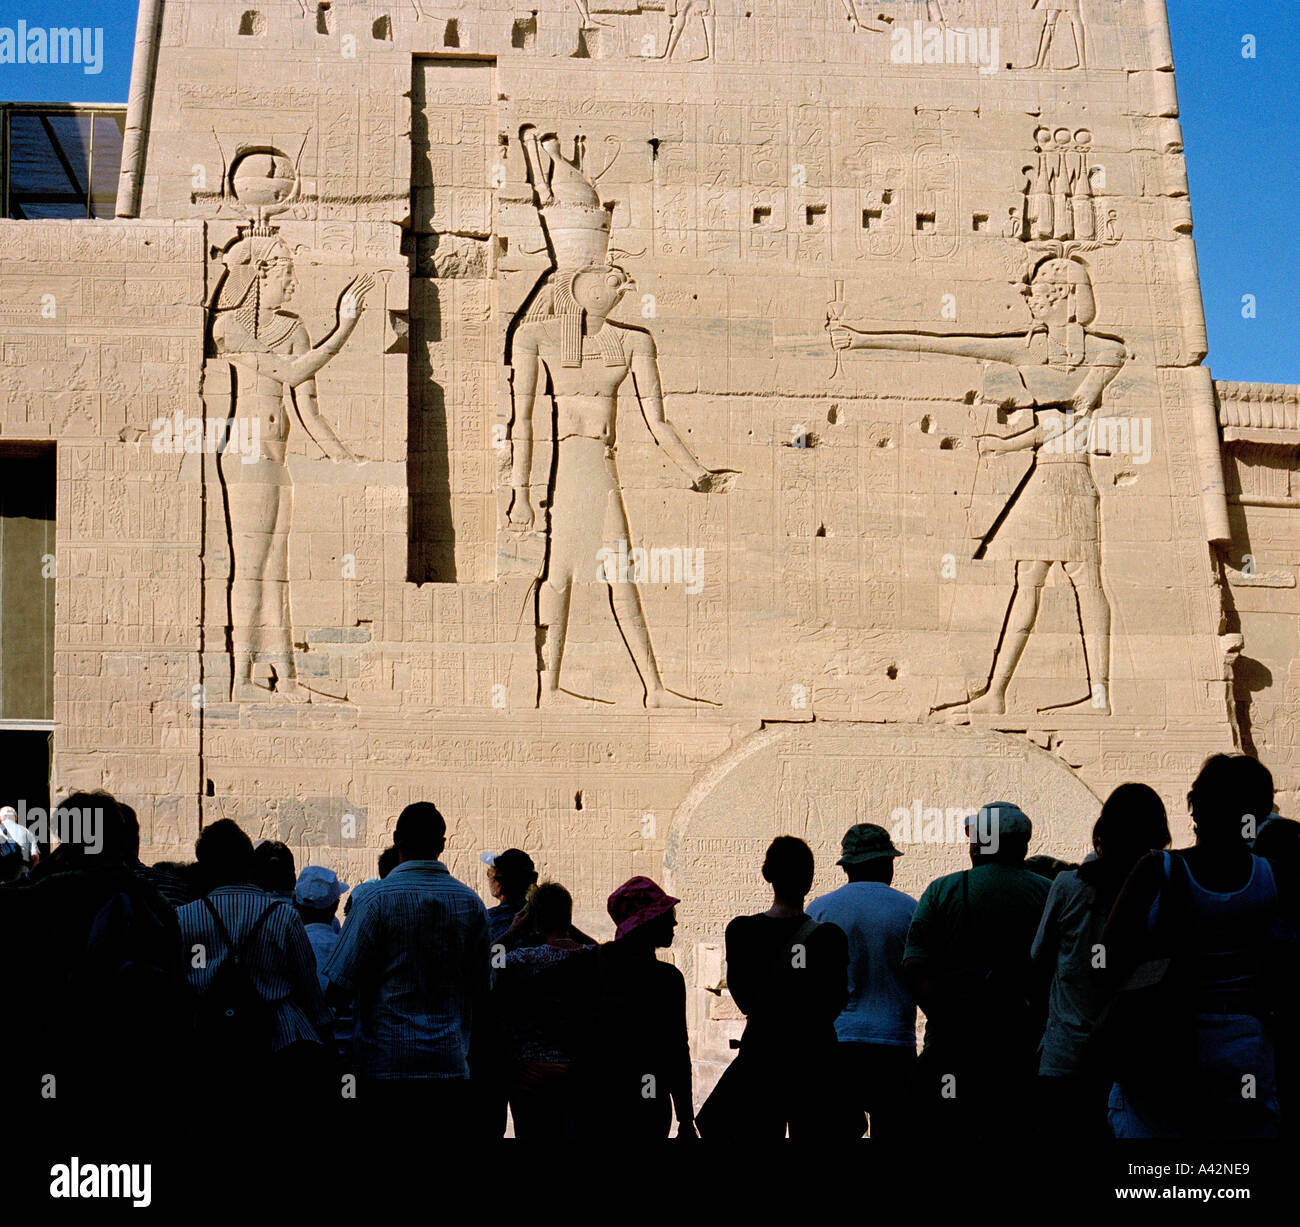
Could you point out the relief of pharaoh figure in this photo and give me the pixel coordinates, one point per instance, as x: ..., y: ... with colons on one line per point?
x: 272, y: 380
x: 568, y: 346
x: 1053, y: 12
x: 1058, y: 371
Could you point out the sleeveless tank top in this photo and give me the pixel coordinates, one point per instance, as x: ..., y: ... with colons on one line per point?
x: 1228, y: 938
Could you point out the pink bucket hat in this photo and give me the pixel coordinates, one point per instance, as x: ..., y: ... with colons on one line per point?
x: 638, y: 901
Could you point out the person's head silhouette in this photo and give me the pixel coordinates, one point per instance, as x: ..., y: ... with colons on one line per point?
x: 788, y: 869
x: 643, y: 913
x: 999, y: 834
x: 867, y: 854
x: 1230, y: 799
x: 225, y: 855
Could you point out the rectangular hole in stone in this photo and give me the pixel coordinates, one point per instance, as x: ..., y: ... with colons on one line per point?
x: 871, y: 218
x: 924, y: 221
x: 979, y: 222
x: 252, y: 24
x: 323, y: 19
x: 451, y: 33
x: 813, y: 214
x: 762, y: 214
x: 523, y: 32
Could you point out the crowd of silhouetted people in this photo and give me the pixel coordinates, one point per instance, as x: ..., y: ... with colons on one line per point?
x: 1142, y: 993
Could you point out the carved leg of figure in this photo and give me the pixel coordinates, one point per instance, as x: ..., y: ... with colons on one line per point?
x: 251, y: 508
x: 589, y: 22
x: 1045, y: 39
x: 277, y: 620
x: 245, y: 596
x: 552, y: 626
x: 1079, y: 43
x: 674, y: 36
x: 625, y: 598
x: 706, y: 20
x: 1094, y: 619
x: 1030, y: 578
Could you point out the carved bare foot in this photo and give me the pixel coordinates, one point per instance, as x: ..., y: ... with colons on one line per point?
x: 249, y: 692
x: 287, y: 690
x: 1098, y: 704
x: 326, y: 688
x: 990, y: 703
x: 566, y: 700
x: 669, y: 699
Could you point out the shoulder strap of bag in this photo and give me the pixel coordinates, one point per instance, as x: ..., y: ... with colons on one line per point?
x: 252, y: 933
x: 237, y: 950
x: 972, y: 919
x: 1174, y: 896
x: 216, y: 920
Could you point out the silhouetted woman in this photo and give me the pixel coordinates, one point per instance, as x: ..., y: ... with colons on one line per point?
x: 789, y: 975
x: 1131, y: 824
x: 1221, y: 907
x: 634, y: 1070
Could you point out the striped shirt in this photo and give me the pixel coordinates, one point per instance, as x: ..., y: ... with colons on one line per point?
x: 414, y: 951
x: 280, y: 961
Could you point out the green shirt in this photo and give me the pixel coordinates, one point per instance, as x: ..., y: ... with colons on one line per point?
x: 997, y: 913
x: 969, y: 922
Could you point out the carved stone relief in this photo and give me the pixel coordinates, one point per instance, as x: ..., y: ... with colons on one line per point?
x: 1062, y: 41
x: 260, y: 378
x: 565, y: 348
x: 1041, y: 389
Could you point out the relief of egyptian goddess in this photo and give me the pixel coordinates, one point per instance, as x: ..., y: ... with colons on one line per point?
x: 272, y: 381
x: 1058, y: 371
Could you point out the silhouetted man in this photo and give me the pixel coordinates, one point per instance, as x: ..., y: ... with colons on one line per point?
x: 877, y: 1028
x: 415, y: 954
x: 967, y: 961
x: 239, y: 941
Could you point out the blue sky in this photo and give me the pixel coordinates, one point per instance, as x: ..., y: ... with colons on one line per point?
x: 1239, y: 120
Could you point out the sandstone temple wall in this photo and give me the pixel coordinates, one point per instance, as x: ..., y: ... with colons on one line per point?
x: 777, y: 548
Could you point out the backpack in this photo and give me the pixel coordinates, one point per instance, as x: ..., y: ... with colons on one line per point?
x: 12, y: 860
x: 130, y: 973
x: 1146, y: 1033
x: 131, y: 949
x: 995, y: 999
x: 234, y: 1022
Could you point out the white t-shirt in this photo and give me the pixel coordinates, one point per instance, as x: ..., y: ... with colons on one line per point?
x: 14, y: 831
x: 875, y: 918
x: 323, y: 938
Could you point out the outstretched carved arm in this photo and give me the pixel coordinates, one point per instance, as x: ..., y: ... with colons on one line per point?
x: 521, y: 431
x: 649, y: 395
x: 999, y: 445
x: 990, y: 347
x: 292, y: 370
